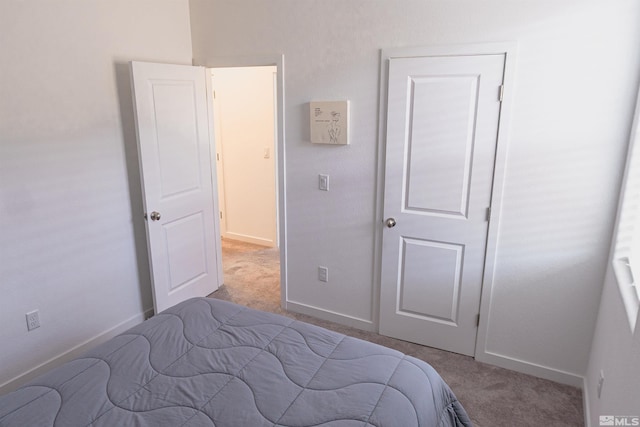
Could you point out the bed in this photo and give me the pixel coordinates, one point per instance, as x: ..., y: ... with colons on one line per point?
x: 207, y: 362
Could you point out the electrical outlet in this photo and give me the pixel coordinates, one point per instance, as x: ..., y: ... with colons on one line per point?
x: 33, y: 320
x: 323, y: 274
x: 600, y: 383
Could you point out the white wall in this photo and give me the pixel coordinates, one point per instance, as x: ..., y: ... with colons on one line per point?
x: 245, y: 128
x: 576, y: 77
x: 71, y: 231
x: 615, y: 352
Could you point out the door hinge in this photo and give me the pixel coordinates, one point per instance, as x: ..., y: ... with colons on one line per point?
x: 478, y: 319
x: 214, y: 94
x: 218, y: 156
x: 220, y: 214
x: 489, y: 213
x: 500, y: 93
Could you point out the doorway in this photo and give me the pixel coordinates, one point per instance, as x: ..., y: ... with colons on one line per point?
x: 246, y: 152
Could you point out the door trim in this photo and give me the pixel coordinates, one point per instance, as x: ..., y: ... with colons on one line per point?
x: 214, y: 177
x: 257, y: 61
x: 509, y: 49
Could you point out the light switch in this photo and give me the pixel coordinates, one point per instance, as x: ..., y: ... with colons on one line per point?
x: 323, y: 274
x: 323, y: 182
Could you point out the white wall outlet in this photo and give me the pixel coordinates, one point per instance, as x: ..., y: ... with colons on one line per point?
x: 323, y: 274
x: 600, y: 383
x: 323, y: 182
x: 33, y: 320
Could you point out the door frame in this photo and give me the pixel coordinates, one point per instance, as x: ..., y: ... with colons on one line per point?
x: 509, y: 49
x: 276, y: 60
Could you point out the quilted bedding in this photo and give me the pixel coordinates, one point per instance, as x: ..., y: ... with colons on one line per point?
x: 206, y: 362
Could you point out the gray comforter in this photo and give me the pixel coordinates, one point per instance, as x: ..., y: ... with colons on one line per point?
x: 207, y: 362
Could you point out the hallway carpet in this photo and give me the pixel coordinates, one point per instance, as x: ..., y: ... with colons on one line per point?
x: 493, y: 397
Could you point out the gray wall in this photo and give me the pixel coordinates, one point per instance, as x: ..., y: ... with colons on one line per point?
x: 576, y: 76
x: 71, y: 231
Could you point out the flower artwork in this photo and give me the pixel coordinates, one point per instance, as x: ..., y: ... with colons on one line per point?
x: 329, y: 122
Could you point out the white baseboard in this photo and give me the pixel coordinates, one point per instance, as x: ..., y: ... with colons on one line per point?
x: 249, y: 239
x: 331, y: 316
x: 529, y: 368
x: 73, y: 352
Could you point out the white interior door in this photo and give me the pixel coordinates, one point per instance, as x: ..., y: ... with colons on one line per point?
x: 442, y: 125
x: 172, y: 120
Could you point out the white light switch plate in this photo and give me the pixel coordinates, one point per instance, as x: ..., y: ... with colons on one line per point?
x: 323, y: 182
x: 323, y: 274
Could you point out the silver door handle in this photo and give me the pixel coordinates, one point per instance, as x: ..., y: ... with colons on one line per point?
x: 155, y: 216
x: 390, y: 222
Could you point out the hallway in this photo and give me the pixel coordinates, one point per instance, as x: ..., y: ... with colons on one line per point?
x: 251, y: 275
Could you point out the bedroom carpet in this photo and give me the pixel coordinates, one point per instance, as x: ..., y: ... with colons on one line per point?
x: 493, y: 397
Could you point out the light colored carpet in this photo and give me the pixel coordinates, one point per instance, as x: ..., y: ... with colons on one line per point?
x: 493, y: 397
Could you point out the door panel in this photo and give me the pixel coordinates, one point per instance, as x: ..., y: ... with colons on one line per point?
x: 442, y: 125
x: 440, y: 142
x: 177, y: 137
x: 438, y: 264
x: 186, y: 249
x: 172, y: 121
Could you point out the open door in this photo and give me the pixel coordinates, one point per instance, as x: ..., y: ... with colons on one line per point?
x: 177, y: 175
